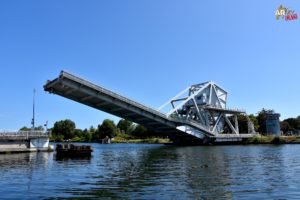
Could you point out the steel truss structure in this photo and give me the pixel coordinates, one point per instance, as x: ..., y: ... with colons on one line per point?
x: 205, y: 104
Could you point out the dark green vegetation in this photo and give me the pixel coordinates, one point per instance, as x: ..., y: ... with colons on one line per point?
x: 290, y: 125
x: 39, y: 128
x: 124, y: 131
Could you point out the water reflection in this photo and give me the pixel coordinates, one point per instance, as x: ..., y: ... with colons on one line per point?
x: 14, y: 161
x: 160, y: 172
x: 135, y: 171
x: 66, y: 158
x: 18, y: 172
x: 190, y: 172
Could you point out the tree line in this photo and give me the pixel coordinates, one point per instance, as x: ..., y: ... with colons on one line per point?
x: 66, y: 130
x: 290, y: 125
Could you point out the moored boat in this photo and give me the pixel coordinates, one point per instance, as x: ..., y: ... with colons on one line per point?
x: 73, y: 150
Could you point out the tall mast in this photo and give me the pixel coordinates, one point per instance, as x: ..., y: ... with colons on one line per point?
x: 33, y: 110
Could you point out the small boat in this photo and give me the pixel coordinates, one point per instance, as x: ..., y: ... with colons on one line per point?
x: 73, y: 150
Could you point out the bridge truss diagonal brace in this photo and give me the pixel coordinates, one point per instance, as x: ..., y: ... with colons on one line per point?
x: 198, y: 112
x: 174, y: 98
x: 215, y: 91
x: 251, y: 128
x: 234, y: 129
x: 230, y: 125
x: 188, y: 99
x: 217, y: 123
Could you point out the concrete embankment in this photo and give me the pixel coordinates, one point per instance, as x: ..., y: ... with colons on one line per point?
x: 30, y: 145
x: 24, y: 142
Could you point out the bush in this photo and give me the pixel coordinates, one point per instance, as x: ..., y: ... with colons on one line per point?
x: 256, y: 140
x: 277, y: 140
x: 57, y: 138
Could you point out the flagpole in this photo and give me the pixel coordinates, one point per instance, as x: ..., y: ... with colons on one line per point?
x: 33, y: 110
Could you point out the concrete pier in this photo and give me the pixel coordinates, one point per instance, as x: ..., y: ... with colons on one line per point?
x: 24, y: 141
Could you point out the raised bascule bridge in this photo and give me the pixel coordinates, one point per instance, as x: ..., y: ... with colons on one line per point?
x: 196, y: 115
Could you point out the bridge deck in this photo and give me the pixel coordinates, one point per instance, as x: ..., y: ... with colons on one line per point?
x: 85, y: 92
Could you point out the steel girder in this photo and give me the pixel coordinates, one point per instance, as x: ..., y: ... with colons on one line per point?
x: 205, y: 104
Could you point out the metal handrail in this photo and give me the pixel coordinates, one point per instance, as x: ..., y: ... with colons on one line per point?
x: 220, y: 108
x: 24, y: 134
x: 234, y: 135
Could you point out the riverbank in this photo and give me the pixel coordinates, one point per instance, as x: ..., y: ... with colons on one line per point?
x: 259, y: 139
x: 273, y: 140
x: 152, y: 140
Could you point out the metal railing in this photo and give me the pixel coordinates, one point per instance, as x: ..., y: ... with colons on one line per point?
x: 23, y: 134
x: 241, y: 135
x: 223, y: 109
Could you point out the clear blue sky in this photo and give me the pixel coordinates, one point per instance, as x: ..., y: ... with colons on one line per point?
x: 148, y: 51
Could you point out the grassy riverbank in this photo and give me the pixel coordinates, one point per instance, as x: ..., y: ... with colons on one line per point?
x: 151, y: 140
x: 273, y: 140
x: 255, y: 140
x: 259, y: 139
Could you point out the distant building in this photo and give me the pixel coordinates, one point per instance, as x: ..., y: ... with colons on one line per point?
x: 293, y: 133
x: 272, y: 123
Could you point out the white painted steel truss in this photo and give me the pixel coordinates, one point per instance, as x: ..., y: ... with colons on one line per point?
x: 205, y: 104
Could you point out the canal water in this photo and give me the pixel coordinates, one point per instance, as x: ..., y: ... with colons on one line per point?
x: 149, y: 171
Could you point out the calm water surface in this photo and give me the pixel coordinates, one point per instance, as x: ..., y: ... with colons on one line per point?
x: 143, y: 171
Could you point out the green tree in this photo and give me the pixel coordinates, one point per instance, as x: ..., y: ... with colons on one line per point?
x: 143, y: 132
x: 140, y: 132
x: 65, y: 128
x: 78, y: 132
x: 107, y: 128
x: 78, y: 135
x: 87, y: 135
x: 243, y: 123
x: 294, y: 123
x: 25, y: 128
x: 92, y: 130
x: 125, y: 126
x: 261, y: 118
x: 285, y: 126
